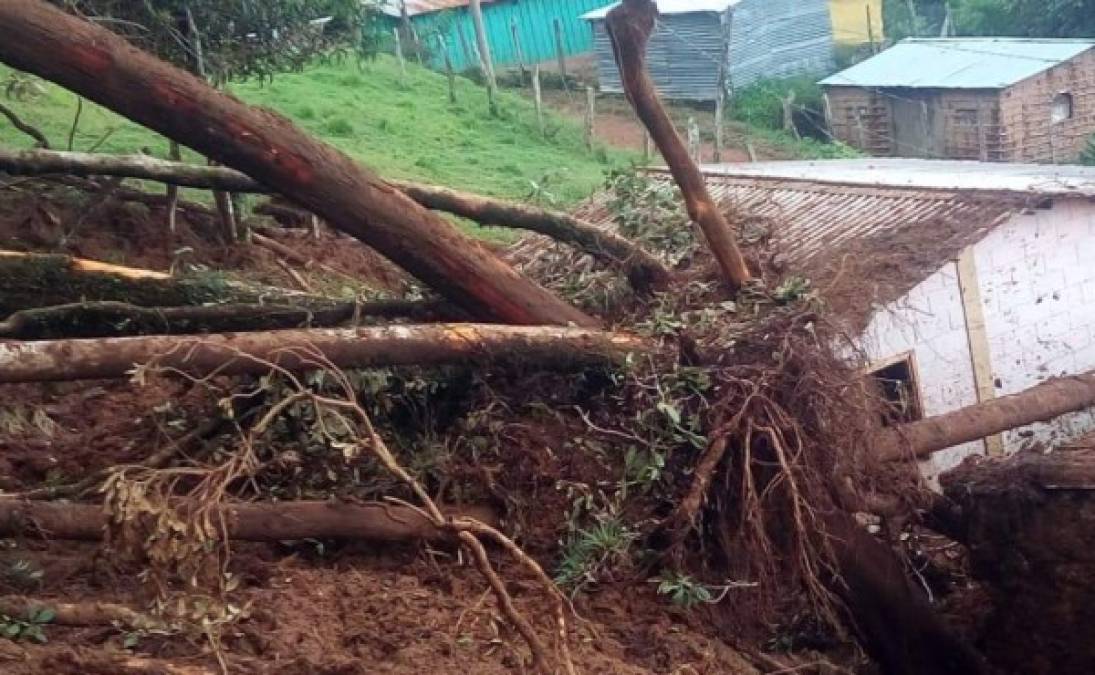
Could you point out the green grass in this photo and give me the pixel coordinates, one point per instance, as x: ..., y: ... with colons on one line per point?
x: 408, y: 131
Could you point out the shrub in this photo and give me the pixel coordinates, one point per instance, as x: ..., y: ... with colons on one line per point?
x: 1088, y: 155
x: 761, y: 104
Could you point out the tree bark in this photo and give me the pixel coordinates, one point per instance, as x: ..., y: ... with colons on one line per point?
x: 33, y: 280
x: 117, y: 319
x: 91, y: 61
x: 1040, y: 403
x: 629, y: 26
x: 601, y: 244
x: 275, y: 521
x: 643, y: 267
x: 235, y: 353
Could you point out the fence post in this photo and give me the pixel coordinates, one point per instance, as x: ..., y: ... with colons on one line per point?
x: 870, y: 31
x: 538, y: 97
x: 591, y: 114
x: 448, y: 67
x: 646, y: 145
x: 560, y: 53
x: 720, y: 104
x: 694, y: 140
x: 517, y: 48
x: 484, y: 53
x: 399, y: 55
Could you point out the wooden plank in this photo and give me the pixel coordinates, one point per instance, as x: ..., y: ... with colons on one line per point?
x: 977, y: 334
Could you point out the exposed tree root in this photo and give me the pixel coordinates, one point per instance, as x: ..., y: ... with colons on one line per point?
x: 80, y: 613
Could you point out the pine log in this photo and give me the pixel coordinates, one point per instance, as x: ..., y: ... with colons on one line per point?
x: 383, y: 346
x: 1040, y: 403
x: 91, y: 61
x: 254, y: 521
x: 629, y: 27
x: 31, y: 280
x: 645, y: 268
x: 117, y: 319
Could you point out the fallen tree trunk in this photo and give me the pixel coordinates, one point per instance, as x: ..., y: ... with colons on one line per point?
x: 645, y: 268
x: 32, y: 280
x: 629, y: 27
x: 1040, y: 403
x: 240, y: 353
x: 275, y: 521
x: 93, y: 62
x: 117, y: 319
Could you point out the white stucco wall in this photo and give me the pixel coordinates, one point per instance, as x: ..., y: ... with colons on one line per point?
x: 1037, y: 280
x: 929, y: 322
x: 1037, y: 276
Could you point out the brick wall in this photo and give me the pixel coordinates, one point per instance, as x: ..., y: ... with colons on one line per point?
x: 1037, y: 278
x: 1026, y: 110
x: 862, y: 119
x: 930, y: 323
x: 1037, y: 283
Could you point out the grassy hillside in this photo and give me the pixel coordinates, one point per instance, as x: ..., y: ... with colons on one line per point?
x: 405, y: 132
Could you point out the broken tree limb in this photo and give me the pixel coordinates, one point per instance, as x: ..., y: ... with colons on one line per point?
x: 257, y: 521
x: 38, y: 136
x: 601, y: 244
x: 1040, y: 403
x: 381, y: 346
x: 644, y: 268
x: 629, y: 27
x: 93, y: 62
x: 79, y: 613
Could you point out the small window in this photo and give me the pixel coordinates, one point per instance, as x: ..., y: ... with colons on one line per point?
x: 899, y: 392
x: 1062, y: 108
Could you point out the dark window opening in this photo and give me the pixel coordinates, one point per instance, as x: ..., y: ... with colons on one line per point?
x: 899, y: 392
x: 1062, y: 108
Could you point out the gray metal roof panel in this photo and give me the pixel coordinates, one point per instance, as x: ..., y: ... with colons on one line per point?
x: 959, y: 63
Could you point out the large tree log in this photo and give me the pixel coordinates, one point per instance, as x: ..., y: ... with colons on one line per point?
x: 93, y: 62
x: 257, y: 521
x: 1040, y: 403
x: 401, y: 345
x: 117, y: 319
x: 629, y: 26
x: 606, y: 246
x: 30, y: 280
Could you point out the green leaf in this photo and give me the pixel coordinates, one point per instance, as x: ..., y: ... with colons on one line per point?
x: 130, y: 641
x: 12, y: 630
x: 45, y: 615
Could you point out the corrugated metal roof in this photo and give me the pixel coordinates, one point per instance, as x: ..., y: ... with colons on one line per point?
x: 959, y: 63
x: 810, y: 219
x: 1038, y: 180
x: 672, y: 7
x: 416, y: 7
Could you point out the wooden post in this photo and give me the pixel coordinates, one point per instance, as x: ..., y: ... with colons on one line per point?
x: 173, y: 193
x: 416, y: 44
x: 914, y: 18
x: 870, y: 30
x: 560, y: 53
x: 976, y: 333
x: 789, y: 114
x: 694, y: 140
x: 448, y: 67
x: 720, y: 104
x: 469, y: 58
x: 647, y: 153
x: 591, y: 114
x: 399, y: 55
x: 750, y: 150
x: 537, y: 96
x: 476, y: 9
x: 314, y: 222
x: 862, y: 131
x: 517, y: 47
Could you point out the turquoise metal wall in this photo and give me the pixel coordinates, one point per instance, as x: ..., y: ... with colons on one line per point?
x: 534, y: 24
